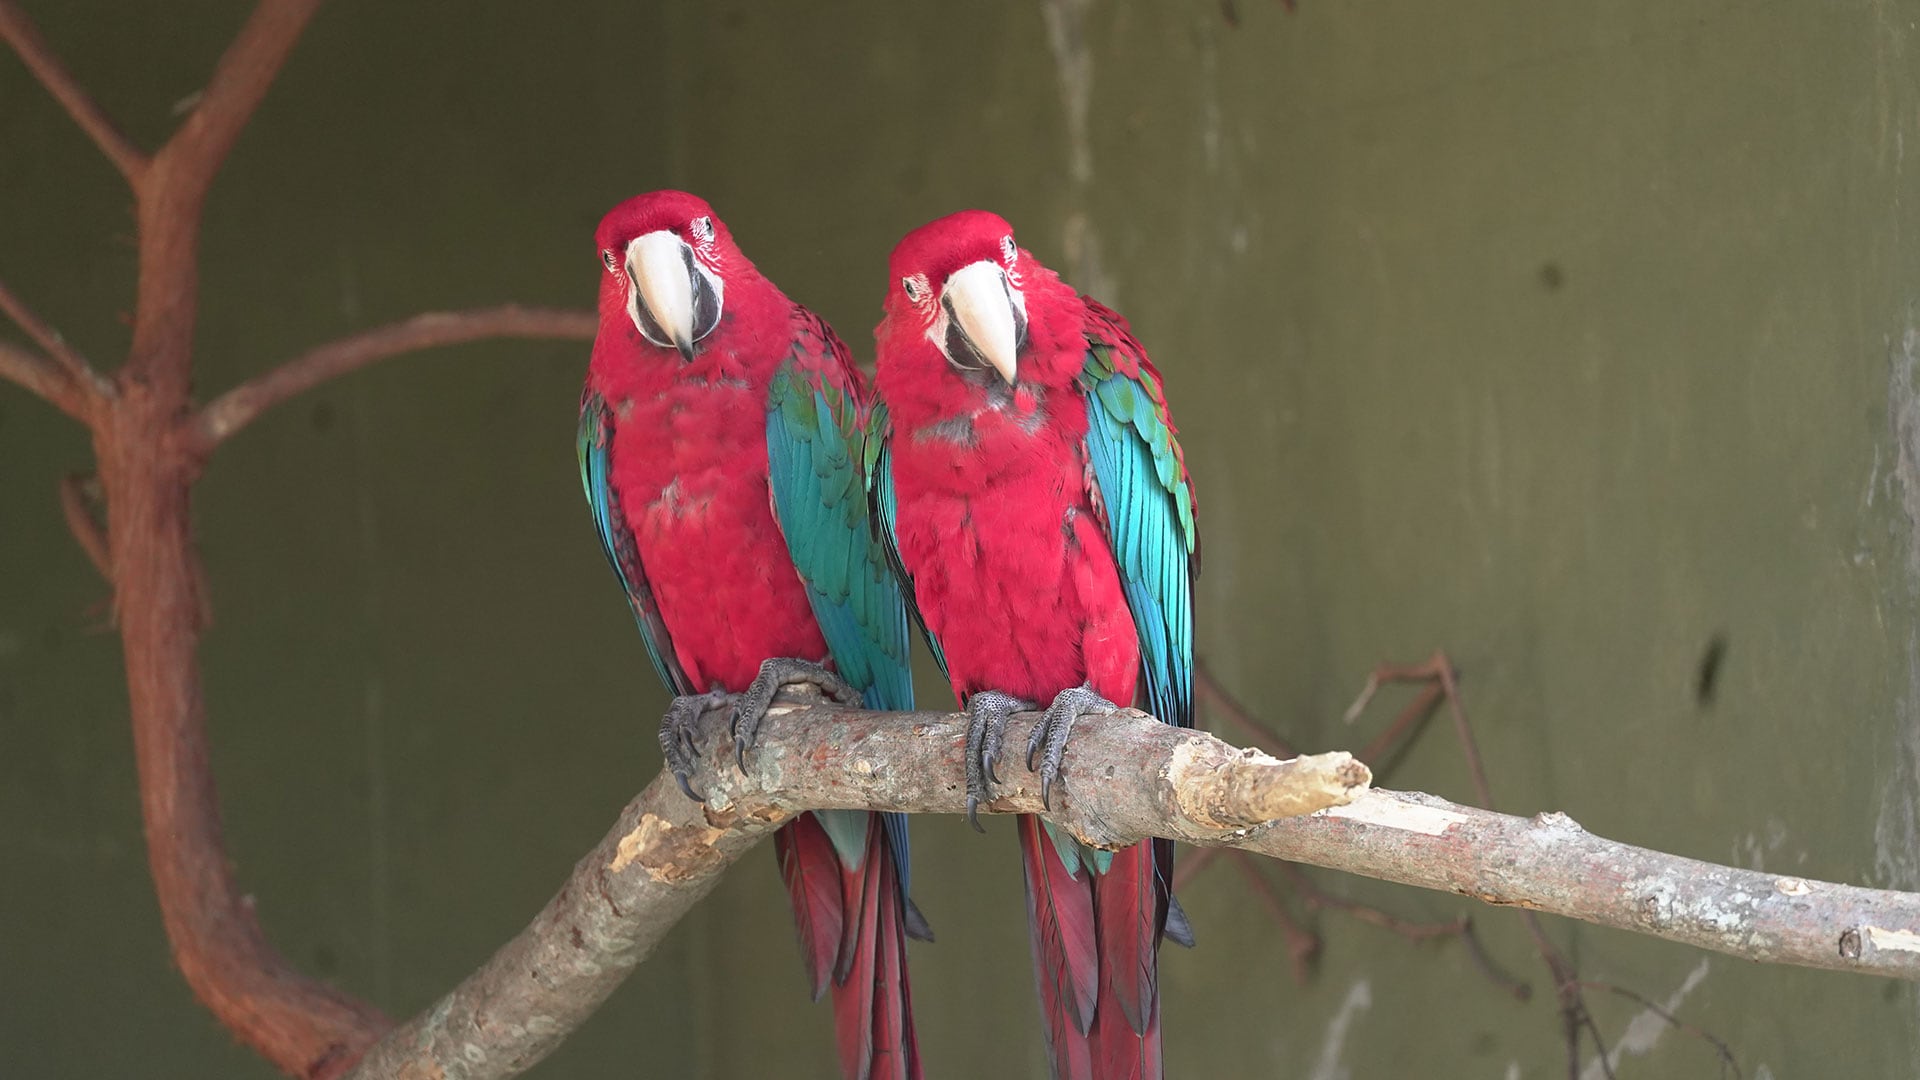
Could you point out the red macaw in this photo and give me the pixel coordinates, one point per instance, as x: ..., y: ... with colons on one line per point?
x: 1028, y: 479
x: 722, y: 450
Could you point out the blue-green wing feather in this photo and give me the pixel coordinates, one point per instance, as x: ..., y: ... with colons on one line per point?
x: 815, y: 452
x: 884, y: 508
x: 816, y: 457
x: 594, y: 445
x: 1141, y: 483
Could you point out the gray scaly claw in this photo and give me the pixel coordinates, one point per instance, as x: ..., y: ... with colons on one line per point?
x: 987, y: 713
x: 781, y: 671
x: 1052, y: 730
x: 677, y: 731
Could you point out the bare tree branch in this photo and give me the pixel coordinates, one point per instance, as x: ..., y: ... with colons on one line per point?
x: 665, y: 852
x: 1124, y: 777
x: 50, y: 340
x: 76, y: 505
x: 240, y: 81
x: 19, y: 32
x: 46, y: 379
x: 238, y: 407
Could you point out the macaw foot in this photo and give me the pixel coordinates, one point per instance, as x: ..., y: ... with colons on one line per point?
x: 1051, y: 733
x: 774, y: 674
x: 677, y: 733
x: 987, y: 713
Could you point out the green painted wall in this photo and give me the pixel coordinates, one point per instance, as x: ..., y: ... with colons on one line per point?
x: 1565, y: 336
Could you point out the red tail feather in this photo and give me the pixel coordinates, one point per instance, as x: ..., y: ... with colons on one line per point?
x: 812, y: 873
x: 853, y: 938
x: 1066, y: 958
x: 1130, y: 911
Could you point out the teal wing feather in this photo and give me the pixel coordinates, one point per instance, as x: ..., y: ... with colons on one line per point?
x: 816, y: 452
x: 816, y: 457
x: 1141, y: 484
x: 594, y: 445
x: 884, y: 508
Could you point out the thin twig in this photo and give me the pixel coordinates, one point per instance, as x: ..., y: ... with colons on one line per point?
x: 77, y: 506
x: 1410, y: 718
x: 238, y: 407
x: 46, y: 379
x: 51, y: 340
x: 1190, y: 864
x: 1215, y: 696
x: 1414, y: 932
x: 19, y: 32
x: 1727, y: 1060
x: 1302, y: 944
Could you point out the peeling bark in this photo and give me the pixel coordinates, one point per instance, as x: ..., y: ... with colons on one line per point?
x: 1125, y: 777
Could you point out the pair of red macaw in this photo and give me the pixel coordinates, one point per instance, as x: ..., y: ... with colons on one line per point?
x: 1020, y: 489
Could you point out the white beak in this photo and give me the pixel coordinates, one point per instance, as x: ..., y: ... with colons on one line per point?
x: 659, y: 264
x: 978, y: 298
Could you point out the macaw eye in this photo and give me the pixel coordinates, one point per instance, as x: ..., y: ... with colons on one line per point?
x: 701, y: 229
x: 611, y: 260
x: 1007, y: 250
x: 915, y: 291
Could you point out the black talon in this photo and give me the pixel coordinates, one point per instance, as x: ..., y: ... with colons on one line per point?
x: 687, y: 788
x: 1052, y: 731
x: 775, y: 673
x: 987, y: 713
x: 990, y: 751
x: 677, y: 732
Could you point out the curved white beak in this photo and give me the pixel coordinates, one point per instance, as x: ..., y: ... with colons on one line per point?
x: 659, y: 263
x: 978, y: 298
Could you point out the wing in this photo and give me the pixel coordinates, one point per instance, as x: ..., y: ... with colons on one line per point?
x: 1139, y: 480
x: 816, y: 448
x: 884, y: 508
x: 594, y: 445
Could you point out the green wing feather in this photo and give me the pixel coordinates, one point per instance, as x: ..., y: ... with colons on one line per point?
x: 594, y: 445
x: 1140, y: 481
x: 816, y: 456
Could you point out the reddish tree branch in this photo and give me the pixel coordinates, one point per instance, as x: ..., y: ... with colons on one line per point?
x: 45, y: 379
x: 19, y: 32
x: 55, y: 345
x: 240, y: 82
x: 88, y: 531
x: 238, y: 407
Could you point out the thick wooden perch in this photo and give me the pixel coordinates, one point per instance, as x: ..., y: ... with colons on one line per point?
x: 1125, y: 777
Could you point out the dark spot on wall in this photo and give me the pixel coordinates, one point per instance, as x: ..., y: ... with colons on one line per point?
x: 1707, y: 675
x: 323, y: 416
x: 1551, y: 276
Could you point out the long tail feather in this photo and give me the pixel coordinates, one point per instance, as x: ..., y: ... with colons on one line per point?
x: 1130, y: 910
x: 1066, y: 958
x: 852, y: 927
x: 812, y: 873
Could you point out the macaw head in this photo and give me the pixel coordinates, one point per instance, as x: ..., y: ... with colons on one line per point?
x: 958, y: 283
x: 666, y: 257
